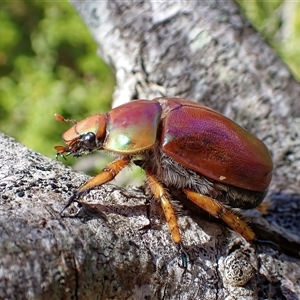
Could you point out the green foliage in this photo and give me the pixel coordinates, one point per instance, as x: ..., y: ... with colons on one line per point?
x: 48, y: 64
x: 279, y: 23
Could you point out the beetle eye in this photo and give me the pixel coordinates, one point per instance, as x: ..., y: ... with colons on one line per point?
x: 89, y: 140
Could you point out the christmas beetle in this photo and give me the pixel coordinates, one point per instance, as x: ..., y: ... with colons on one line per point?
x: 181, y: 145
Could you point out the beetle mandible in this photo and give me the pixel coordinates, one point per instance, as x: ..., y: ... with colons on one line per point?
x: 181, y: 145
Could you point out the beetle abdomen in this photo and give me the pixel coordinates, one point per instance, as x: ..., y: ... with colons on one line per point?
x: 174, y: 176
x: 207, y: 142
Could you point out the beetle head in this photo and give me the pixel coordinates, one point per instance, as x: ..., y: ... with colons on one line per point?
x: 83, y: 137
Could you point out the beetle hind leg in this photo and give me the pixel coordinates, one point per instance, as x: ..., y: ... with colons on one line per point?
x: 217, y: 210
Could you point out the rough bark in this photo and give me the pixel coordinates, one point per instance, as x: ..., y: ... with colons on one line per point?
x: 202, y: 50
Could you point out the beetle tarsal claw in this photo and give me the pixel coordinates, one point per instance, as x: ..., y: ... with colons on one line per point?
x: 60, y: 155
x: 184, y: 257
x: 70, y: 201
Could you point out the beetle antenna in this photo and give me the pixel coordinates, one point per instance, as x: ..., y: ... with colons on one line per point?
x: 60, y: 118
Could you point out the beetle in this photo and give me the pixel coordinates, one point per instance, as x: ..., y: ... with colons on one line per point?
x: 181, y: 145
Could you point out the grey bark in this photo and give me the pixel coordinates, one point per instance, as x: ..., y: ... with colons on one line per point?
x: 202, y: 50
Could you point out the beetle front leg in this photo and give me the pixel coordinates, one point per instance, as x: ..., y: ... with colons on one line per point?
x: 217, y: 210
x: 108, y: 173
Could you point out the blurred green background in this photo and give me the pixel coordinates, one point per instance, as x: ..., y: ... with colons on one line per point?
x: 279, y: 23
x: 48, y: 64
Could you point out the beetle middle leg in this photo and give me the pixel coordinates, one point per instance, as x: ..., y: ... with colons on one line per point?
x: 217, y: 210
x: 108, y: 173
x: 160, y: 193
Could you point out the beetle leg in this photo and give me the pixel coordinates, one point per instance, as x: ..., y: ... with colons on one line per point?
x: 108, y: 173
x: 160, y: 193
x: 216, y: 209
x: 264, y: 207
